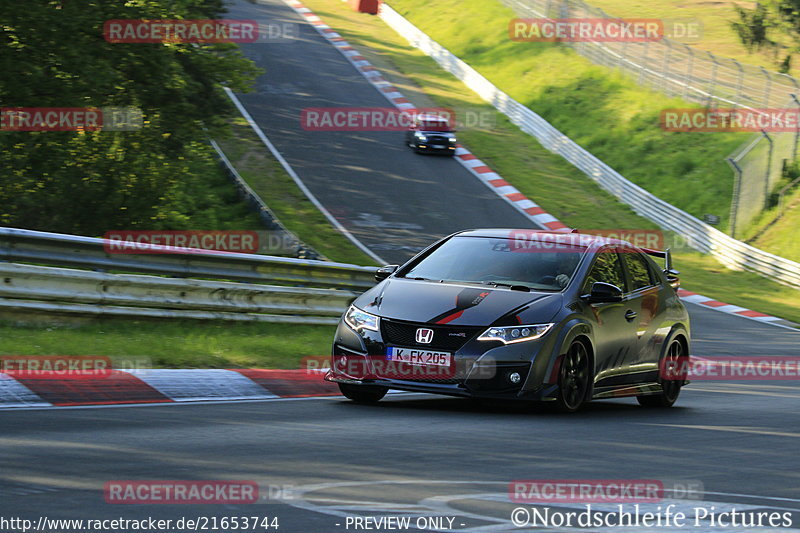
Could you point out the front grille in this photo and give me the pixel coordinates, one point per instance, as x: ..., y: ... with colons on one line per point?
x: 437, y: 139
x: 450, y: 338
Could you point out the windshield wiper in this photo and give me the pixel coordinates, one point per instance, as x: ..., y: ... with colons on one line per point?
x: 511, y: 286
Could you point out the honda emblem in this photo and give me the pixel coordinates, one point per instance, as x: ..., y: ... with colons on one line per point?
x: 424, y: 335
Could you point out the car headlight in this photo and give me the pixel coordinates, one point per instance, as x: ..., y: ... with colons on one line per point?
x: 510, y: 334
x: 453, y: 140
x: 358, y: 319
x: 420, y: 136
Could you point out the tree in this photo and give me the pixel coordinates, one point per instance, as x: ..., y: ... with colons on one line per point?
x: 53, y: 54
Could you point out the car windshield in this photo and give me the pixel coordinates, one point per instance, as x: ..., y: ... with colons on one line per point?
x: 434, y: 125
x: 536, y: 265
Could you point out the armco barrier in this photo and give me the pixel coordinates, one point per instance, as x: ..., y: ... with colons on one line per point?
x: 701, y: 236
x: 56, y: 249
x: 29, y: 287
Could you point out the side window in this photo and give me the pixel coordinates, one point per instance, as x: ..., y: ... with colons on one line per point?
x: 607, y: 269
x: 638, y: 270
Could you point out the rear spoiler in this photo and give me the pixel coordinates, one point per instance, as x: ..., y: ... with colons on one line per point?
x: 672, y: 274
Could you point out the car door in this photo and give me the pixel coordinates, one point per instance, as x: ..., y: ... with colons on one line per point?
x: 612, y: 331
x: 643, y: 301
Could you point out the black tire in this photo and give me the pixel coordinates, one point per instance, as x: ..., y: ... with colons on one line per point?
x: 671, y: 387
x: 363, y: 393
x: 573, y: 378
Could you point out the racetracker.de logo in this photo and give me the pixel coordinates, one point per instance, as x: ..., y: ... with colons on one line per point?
x: 373, y: 118
x: 180, y: 492
x: 760, y: 368
x: 55, y: 366
x: 724, y: 120
x: 405, y: 364
x: 597, y: 30
x: 178, y: 241
x: 180, y: 31
x: 586, y: 491
x: 70, y: 118
x: 533, y: 241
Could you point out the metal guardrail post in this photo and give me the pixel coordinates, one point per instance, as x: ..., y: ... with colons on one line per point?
x: 769, y: 86
x: 739, y: 81
x: 737, y: 187
x: 689, y: 71
x: 713, y: 79
x: 769, y: 167
x: 797, y: 129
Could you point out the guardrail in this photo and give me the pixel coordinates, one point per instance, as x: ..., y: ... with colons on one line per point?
x: 37, y: 288
x: 699, y: 235
x: 90, y: 289
x: 56, y: 249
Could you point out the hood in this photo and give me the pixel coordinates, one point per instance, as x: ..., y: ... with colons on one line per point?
x: 438, y: 133
x: 451, y: 303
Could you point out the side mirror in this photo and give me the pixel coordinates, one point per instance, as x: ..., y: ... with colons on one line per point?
x: 672, y: 278
x: 385, y: 271
x: 603, y: 293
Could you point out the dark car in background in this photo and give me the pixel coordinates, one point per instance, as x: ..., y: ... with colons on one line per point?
x: 561, y: 318
x: 431, y: 134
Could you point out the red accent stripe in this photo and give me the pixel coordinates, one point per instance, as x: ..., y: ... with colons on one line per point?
x: 713, y: 303
x: 468, y: 157
x: 515, y: 196
x: 119, y: 387
x: 534, y: 210
x: 389, y: 89
x: 481, y: 170
x: 450, y: 318
x: 401, y: 100
x: 291, y: 383
x: 684, y: 292
x: 499, y: 183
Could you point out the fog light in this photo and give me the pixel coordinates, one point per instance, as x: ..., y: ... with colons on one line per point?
x: 514, y: 377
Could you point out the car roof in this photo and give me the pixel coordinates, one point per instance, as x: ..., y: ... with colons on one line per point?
x: 587, y: 240
x: 431, y: 118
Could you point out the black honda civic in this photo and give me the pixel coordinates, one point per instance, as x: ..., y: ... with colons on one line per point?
x: 552, y: 317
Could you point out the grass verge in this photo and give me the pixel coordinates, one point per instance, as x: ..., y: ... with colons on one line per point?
x: 295, y: 211
x: 174, y: 343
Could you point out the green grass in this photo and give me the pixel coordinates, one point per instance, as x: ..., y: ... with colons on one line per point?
x: 704, y: 274
x: 295, y: 211
x: 561, y: 189
x: 174, y: 343
x: 717, y: 37
x: 601, y: 109
x: 780, y: 236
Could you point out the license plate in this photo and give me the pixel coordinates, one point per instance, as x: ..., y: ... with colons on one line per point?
x: 418, y: 357
x: 438, y: 146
